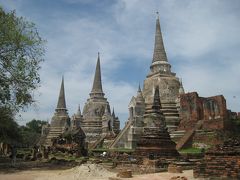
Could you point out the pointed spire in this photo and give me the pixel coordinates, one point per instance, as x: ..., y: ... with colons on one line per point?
x: 78, y: 111
x: 139, y: 97
x: 61, y: 99
x: 159, y: 53
x: 156, y: 100
x: 107, y: 110
x: 181, y: 89
x: 97, y: 83
x: 139, y: 88
x: 113, y: 113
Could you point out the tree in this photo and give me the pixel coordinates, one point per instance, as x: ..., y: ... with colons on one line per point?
x: 36, y: 125
x: 31, y: 133
x: 21, y: 52
x: 9, y: 130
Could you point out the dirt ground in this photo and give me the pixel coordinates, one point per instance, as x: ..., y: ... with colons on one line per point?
x: 164, y: 176
x: 84, y: 172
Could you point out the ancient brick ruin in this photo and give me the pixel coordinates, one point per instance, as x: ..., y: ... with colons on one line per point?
x: 188, y: 117
x: 169, y: 85
x: 200, y: 119
x: 63, y: 132
x: 154, y: 141
x: 162, y: 120
x: 222, y: 161
x: 97, y: 121
x: 211, y: 110
x: 60, y: 121
x: 161, y: 75
x: 129, y: 136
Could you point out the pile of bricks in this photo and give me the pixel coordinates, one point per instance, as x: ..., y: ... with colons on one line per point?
x: 221, y: 161
x: 178, y: 178
x: 124, y: 173
x: 172, y: 168
x: 149, y: 166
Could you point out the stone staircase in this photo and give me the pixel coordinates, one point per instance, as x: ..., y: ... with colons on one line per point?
x: 97, y: 142
x: 171, y: 115
x: 188, y: 135
x: 53, y: 133
x: 177, y: 135
x: 107, y: 142
x: 120, y: 135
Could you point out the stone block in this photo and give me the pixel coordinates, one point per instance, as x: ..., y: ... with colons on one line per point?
x: 172, y: 168
x: 124, y: 174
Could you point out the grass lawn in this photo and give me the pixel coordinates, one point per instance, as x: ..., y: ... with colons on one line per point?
x: 112, y: 150
x: 191, y: 150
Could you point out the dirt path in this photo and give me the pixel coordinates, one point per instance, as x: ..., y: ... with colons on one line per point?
x: 85, y: 172
x: 164, y: 176
x: 27, y: 175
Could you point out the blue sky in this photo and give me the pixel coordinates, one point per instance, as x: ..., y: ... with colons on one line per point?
x: 201, y: 40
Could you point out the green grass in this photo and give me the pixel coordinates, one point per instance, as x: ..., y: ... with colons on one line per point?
x: 112, y: 150
x: 191, y: 150
x: 122, y: 150
x: 99, y: 150
x: 74, y: 158
x: 24, y: 150
x: 66, y: 157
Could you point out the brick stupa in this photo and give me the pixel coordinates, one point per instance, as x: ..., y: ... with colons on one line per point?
x: 96, y: 123
x: 60, y: 121
x: 160, y: 74
x: 155, y: 141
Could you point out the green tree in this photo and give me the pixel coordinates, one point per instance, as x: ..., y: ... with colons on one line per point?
x: 28, y: 138
x: 21, y: 52
x: 31, y: 133
x: 9, y: 130
x: 36, y: 125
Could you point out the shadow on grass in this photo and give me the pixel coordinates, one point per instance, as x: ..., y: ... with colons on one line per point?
x: 7, y: 168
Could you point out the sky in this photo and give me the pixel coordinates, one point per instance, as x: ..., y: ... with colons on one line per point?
x: 201, y: 38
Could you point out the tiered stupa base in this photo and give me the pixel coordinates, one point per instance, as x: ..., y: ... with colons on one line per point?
x: 156, y: 143
x: 53, y: 133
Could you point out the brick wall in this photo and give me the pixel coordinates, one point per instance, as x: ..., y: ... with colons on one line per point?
x: 222, y: 161
x: 212, y: 110
x: 218, y: 166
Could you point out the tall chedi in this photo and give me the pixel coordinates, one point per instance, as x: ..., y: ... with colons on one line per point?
x: 60, y: 121
x: 161, y: 75
x: 94, y: 109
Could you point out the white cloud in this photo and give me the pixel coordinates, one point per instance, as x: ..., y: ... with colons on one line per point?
x: 203, y: 35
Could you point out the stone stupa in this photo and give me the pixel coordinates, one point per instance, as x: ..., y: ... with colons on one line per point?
x: 155, y: 141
